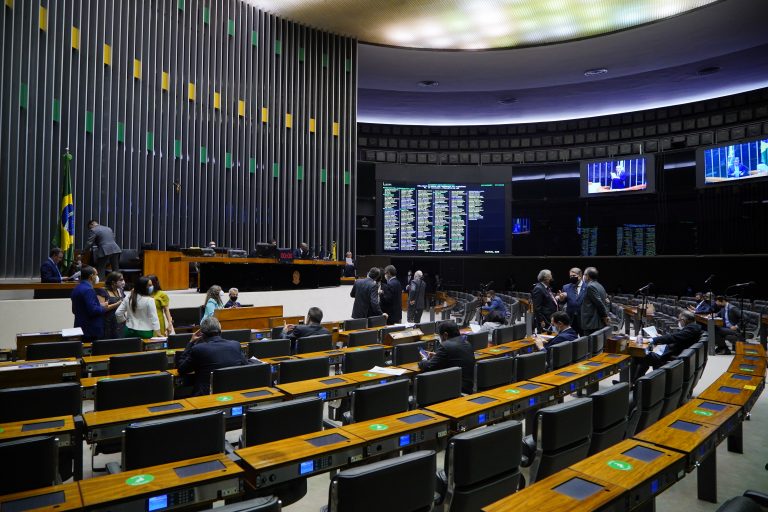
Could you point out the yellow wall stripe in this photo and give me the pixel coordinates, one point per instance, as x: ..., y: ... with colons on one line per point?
x: 288, y: 120
x: 9, y: 3
x: 335, y: 129
x: 43, y: 19
x: 241, y: 108
x: 165, y: 82
x: 107, y: 55
x: 312, y: 125
x: 216, y: 100
x: 191, y: 91
x: 75, y: 38
x: 264, y: 114
x: 137, y: 69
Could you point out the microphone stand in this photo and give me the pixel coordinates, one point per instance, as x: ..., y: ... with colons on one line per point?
x: 643, y: 308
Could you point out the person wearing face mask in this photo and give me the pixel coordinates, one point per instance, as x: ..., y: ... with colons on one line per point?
x: 139, y: 312
x: 561, y: 324
x: 454, y: 351
x: 112, y: 293
x: 232, y: 302
x: 675, y: 343
x: 573, y: 295
x: 162, y: 304
x: 88, y: 311
x: 544, y: 301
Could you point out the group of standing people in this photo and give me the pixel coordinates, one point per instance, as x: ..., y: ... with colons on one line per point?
x: 376, y: 296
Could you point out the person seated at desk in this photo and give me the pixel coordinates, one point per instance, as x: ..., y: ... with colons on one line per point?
x: 302, y: 253
x: 703, y: 304
x: 494, y: 303
x: 561, y: 323
x: 49, y: 270
x: 212, y: 301
x: 674, y: 342
x: 737, y: 169
x: 731, y: 316
x: 349, y: 266
x: 311, y: 326
x: 453, y: 351
x: 493, y: 320
x: 208, y: 351
x: 232, y: 302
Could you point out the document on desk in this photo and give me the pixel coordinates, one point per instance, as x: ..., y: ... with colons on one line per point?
x: 650, y: 332
x: 659, y: 350
x: 388, y: 371
x: 75, y: 331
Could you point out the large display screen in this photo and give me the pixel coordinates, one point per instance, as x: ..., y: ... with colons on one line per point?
x: 732, y: 163
x: 617, y: 176
x: 452, y: 218
x: 636, y: 240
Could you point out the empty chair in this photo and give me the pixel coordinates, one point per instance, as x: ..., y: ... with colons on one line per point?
x: 143, y: 389
x: 143, y: 362
x: 377, y: 321
x: 54, y: 350
x: 238, y: 335
x: 530, y: 365
x: 405, y: 484
x: 701, y: 361
x: 354, y: 324
x: 294, y: 417
x: 596, y: 343
x: 241, y: 377
x: 609, y: 416
x: 360, y: 338
x: 269, y: 348
x: 688, y: 357
x: 28, y: 463
x: 303, y: 369
x: 518, y: 330
x: 562, y: 437
x: 481, y: 466
x: 437, y: 386
x: 378, y: 400
x: 405, y: 353
x: 363, y: 360
x: 580, y: 349
x: 560, y: 355
x: 646, y: 401
x: 673, y: 386
x: 478, y: 340
x: 185, y: 317
x: 177, y: 341
x: 315, y: 343
x: 504, y: 335
x: 151, y: 443
x: 116, y: 346
x: 276, y: 333
x: 493, y: 373
x: 426, y: 327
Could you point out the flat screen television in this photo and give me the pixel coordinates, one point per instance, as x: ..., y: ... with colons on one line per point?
x: 448, y: 218
x: 521, y: 226
x: 620, y: 175
x: 735, y: 162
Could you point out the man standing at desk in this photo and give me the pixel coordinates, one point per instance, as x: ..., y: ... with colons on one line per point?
x: 366, y: 294
x: 453, y: 351
x: 49, y: 270
x: 674, y: 342
x: 89, y: 313
x: 107, y: 250
x: 544, y: 301
x: 391, y: 296
x: 208, y: 351
x: 594, y: 312
x: 417, y: 292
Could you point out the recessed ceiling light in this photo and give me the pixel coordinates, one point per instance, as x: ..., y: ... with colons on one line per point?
x: 428, y: 83
x: 507, y: 101
x: 709, y: 70
x: 595, y: 72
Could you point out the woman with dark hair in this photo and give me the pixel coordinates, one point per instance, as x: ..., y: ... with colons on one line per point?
x: 112, y: 293
x: 212, y: 301
x: 139, y: 312
x: 162, y: 305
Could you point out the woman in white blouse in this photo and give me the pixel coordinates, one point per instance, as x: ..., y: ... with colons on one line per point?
x: 139, y: 312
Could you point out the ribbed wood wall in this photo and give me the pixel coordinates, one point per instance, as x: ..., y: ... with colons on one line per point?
x: 188, y: 120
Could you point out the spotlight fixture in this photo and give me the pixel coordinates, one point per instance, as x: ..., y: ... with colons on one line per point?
x: 428, y: 83
x: 595, y: 72
x: 708, y: 70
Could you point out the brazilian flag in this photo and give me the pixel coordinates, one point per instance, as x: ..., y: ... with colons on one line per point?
x: 65, y: 230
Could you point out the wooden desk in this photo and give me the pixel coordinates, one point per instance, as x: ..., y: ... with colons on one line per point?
x: 88, y: 384
x: 45, y: 290
x: 101, y: 425
x: 336, y: 356
x: 520, y: 347
x: 98, y: 364
x: 547, y: 496
x: 62, y: 427
x: 57, y: 497
x: 214, y: 477
x: 644, y: 470
x: 234, y: 403
x: 405, y: 336
x: 256, y: 317
x: 524, y: 395
x: 622, y: 363
x: 25, y: 339
x: 735, y: 389
x: 577, y: 376
x: 297, y: 457
x: 392, y: 433
x: 327, y: 388
x: 748, y: 365
x: 751, y: 349
x: 711, y: 323
x: 471, y: 411
x: 35, y: 373
x: 166, y: 265
x: 368, y: 377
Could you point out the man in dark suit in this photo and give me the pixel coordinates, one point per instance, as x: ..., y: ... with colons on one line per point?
x: 107, y: 250
x: 562, y: 325
x: 417, y: 301
x: 573, y: 295
x: 675, y: 342
x: 391, y: 296
x: 544, y: 301
x: 731, y: 316
x: 311, y: 327
x: 88, y: 311
x: 703, y: 304
x: 302, y: 253
x: 49, y: 270
x: 366, y: 294
x: 453, y: 351
x: 208, y: 351
x: 594, y: 310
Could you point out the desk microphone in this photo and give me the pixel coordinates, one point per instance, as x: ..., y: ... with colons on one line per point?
x: 709, y: 279
x: 742, y: 285
x: 644, y: 289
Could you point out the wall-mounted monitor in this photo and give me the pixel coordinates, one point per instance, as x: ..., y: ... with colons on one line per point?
x: 732, y: 163
x: 448, y: 218
x: 521, y: 226
x: 626, y: 175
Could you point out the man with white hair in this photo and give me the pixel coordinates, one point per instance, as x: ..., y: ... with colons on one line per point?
x: 544, y: 301
x: 416, y: 297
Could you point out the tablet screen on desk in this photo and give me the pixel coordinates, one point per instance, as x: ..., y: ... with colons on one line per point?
x: 326, y: 440
x: 578, y: 488
x: 254, y: 394
x: 482, y: 400
x: 198, y: 469
x: 566, y: 374
x: 529, y: 387
x: 642, y: 453
x: 728, y: 389
x: 593, y: 363
x: 157, y: 502
x: 415, y: 418
x: 34, y: 502
x: 687, y: 426
x: 334, y: 380
x: 167, y: 407
x: 736, y: 376
x: 712, y: 406
x: 41, y: 425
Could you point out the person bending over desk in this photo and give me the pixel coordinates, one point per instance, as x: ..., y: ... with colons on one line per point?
x: 494, y: 303
x: 453, y: 351
x: 674, y: 342
x: 49, y: 270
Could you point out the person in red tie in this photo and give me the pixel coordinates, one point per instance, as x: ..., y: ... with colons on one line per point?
x: 544, y: 301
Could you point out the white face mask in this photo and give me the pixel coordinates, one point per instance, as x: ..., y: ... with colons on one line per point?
x: 681, y: 324
x: 97, y: 279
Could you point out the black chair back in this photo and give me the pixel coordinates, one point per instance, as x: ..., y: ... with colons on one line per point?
x: 437, y: 386
x: 563, y: 436
x: 406, y: 353
x: 238, y: 335
x: 269, y: 348
x: 29, y: 403
x: 273, y: 422
x: 530, y: 365
x: 580, y: 348
x: 560, y: 355
x: 360, y: 338
x: 143, y: 362
x: 363, y: 360
x: 376, y: 401
x: 276, y: 333
x: 648, y: 401
x: 426, y: 327
x: 701, y: 361
x: 688, y: 357
x: 130, y: 391
x: 377, y: 321
x: 354, y: 324
x: 503, y: 335
x: 673, y: 386
x: 54, y: 350
x: 315, y: 343
x: 478, y: 340
x: 246, y: 376
x: 392, y: 328
x: 185, y: 317
x: 177, y: 341
x: 28, y: 463
x: 493, y: 373
x: 518, y: 330
x: 482, y: 466
x: 609, y: 416
x: 303, y: 369
x: 116, y: 346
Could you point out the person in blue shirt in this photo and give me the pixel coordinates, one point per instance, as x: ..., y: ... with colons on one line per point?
x: 561, y: 324
x: 494, y: 304
x: 89, y: 312
x: 49, y: 270
x: 212, y: 301
x: 737, y: 169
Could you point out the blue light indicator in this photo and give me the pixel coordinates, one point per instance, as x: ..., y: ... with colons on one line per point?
x: 323, y: 395
x: 157, y: 502
x: 481, y: 418
x: 259, y: 335
x: 383, y: 381
x: 599, y: 375
x: 654, y: 486
x: 573, y: 386
x: 531, y: 401
x: 306, y: 467
x: 405, y: 440
x: 237, y: 411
